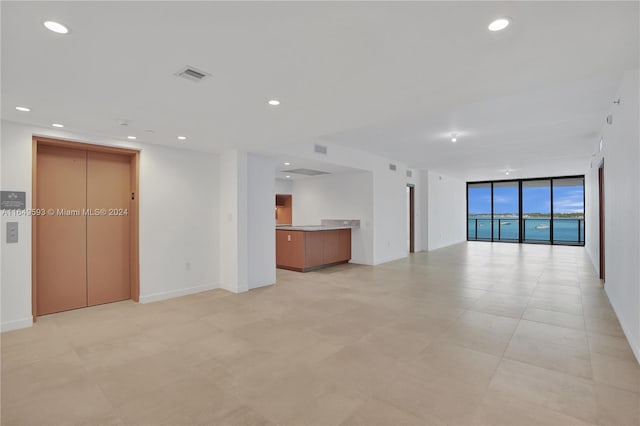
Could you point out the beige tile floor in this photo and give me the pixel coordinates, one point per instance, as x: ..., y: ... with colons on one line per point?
x: 476, y: 333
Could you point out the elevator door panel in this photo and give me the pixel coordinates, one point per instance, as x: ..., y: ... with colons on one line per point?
x: 108, y: 228
x: 61, y: 233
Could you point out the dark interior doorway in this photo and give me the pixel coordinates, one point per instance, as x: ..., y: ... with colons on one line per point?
x: 411, y: 194
x: 601, y: 216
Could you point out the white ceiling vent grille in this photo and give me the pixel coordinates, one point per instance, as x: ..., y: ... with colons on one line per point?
x: 307, y: 172
x: 409, y: 174
x: 192, y: 73
x: 320, y: 149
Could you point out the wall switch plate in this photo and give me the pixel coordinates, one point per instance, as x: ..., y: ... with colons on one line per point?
x: 12, y: 232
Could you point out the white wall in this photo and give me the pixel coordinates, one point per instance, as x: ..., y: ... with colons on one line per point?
x: 284, y: 186
x: 178, y: 220
x: 389, y: 192
x: 621, y: 153
x: 447, y: 210
x: 342, y: 196
x: 261, y: 221
x: 389, y: 214
x: 422, y: 210
x: 233, y: 220
x: 179, y: 212
x: 15, y: 273
x: 247, y: 223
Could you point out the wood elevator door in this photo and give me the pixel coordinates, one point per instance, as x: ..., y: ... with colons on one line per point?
x: 62, y: 234
x: 108, y: 232
x: 84, y: 247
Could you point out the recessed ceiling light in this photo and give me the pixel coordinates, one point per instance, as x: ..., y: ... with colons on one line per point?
x: 454, y: 137
x: 23, y: 109
x: 499, y: 24
x: 507, y: 173
x: 287, y: 163
x: 56, y: 27
x: 57, y: 125
x: 274, y: 102
x: 182, y: 138
x: 288, y: 177
x: 131, y: 137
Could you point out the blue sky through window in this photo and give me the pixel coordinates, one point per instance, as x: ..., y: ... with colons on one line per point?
x: 505, y: 199
x: 479, y: 200
x: 536, y: 199
x: 568, y: 199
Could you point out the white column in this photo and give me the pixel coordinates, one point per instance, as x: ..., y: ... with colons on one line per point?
x: 247, y: 221
x: 233, y: 221
x: 261, y: 221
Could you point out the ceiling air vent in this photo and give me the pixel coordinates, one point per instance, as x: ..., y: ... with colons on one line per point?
x: 193, y: 74
x: 320, y: 149
x: 307, y: 172
x: 392, y: 167
x: 409, y: 174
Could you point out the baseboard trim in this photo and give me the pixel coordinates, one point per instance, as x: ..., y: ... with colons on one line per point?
x: 360, y: 262
x: 16, y: 324
x: 631, y: 339
x: 390, y: 259
x: 445, y: 245
x: 156, y: 297
x: 233, y: 288
x: 262, y: 285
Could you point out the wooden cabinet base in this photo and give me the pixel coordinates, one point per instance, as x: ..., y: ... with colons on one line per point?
x: 308, y: 250
x: 311, y: 268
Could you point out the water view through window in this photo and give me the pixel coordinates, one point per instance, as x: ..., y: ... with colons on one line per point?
x: 536, y: 209
x: 549, y: 210
x: 479, y: 208
x: 506, y: 217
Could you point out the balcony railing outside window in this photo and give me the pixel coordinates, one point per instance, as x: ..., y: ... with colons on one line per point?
x: 547, y: 211
x: 568, y: 231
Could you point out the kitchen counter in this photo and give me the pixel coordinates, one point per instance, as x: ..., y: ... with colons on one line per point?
x: 303, y: 248
x: 311, y: 228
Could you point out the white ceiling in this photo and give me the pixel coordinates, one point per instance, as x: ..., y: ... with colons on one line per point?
x: 548, y: 131
x: 391, y: 78
x: 305, y: 163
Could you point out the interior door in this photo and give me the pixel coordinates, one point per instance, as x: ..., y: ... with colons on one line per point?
x: 412, y: 225
x: 61, y: 271
x: 601, y: 218
x: 108, y: 227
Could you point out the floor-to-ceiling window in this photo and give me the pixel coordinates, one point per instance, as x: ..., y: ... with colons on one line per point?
x: 545, y: 210
x: 506, y: 213
x: 536, y: 210
x: 479, y: 211
x: 568, y: 210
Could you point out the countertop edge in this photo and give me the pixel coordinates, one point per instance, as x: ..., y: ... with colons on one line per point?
x: 312, y: 228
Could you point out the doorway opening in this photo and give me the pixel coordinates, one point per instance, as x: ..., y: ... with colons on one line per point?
x: 601, y: 216
x: 84, y: 246
x: 284, y: 212
x: 411, y: 219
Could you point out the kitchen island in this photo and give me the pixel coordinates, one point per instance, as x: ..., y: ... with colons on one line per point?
x: 305, y: 248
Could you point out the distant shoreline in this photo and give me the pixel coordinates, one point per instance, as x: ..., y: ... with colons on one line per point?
x: 527, y: 216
